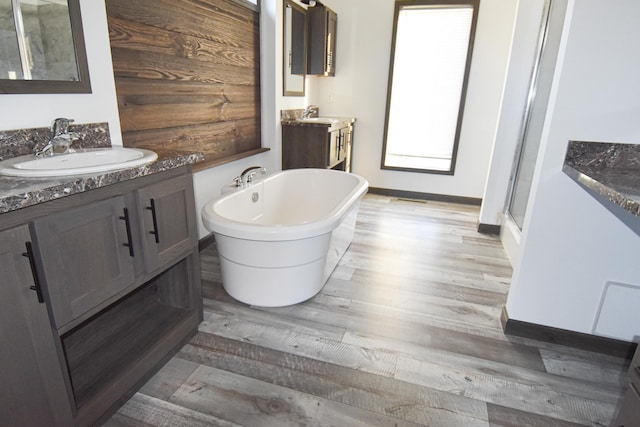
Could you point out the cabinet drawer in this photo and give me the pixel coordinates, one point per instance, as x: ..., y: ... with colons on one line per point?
x: 85, y: 256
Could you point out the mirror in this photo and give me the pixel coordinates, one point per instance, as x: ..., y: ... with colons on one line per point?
x: 294, y: 54
x: 42, y: 47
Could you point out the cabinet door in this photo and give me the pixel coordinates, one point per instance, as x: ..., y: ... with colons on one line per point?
x: 305, y: 147
x: 323, y: 24
x: 298, y: 39
x: 86, y: 256
x: 168, y: 217
x: 348, y: 147
x: 332, y: 28
x: 335, y: 144
x: 33, y: 391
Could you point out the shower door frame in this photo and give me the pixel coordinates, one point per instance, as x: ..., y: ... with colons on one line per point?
x: 552, y: 10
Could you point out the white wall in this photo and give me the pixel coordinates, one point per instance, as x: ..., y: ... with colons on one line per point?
x: 571, y: 245
x: 33, y: 111
x: 360, y: 88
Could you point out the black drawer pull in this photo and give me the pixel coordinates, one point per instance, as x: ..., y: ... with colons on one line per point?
x: 127, y: 223
x: 36, y: 280
x: 152, y: 208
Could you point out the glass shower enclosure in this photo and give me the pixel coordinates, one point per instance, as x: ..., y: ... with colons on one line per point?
x: 536, y: 109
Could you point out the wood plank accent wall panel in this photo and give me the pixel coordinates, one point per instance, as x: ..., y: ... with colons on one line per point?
x: 187, y: 75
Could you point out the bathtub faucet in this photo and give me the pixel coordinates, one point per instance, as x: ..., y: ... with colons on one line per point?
x: 247, y: 175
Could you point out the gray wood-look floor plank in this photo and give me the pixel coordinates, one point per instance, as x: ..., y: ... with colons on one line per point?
x: 499, y: 416
x: 169, y: 378
x: 403, y: 329
x: 330, y: 381
x: 405, y: 332
x: 308, y: 326
x: 414, y: 301
x: 325, y: 349
x: 253, y: 402
x: 537, y: 398
x: 513, y: 376
x: 599, y: 368
x: 143, y: 410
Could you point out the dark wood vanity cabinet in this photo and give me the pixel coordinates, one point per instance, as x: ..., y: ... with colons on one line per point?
x: 317, y: 146
x: 321, y: 54
x: 118, y: 276
x: 33, y: 391
x: 89, y: 253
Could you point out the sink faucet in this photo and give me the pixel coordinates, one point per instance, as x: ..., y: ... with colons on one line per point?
x: 247, y: 175
x: 309, y: 111
x: 61, y: 138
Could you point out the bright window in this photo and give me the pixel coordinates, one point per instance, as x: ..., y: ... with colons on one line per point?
x: 430, y: 61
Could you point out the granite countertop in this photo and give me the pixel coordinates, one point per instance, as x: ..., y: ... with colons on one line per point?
x: 17, y: 193
x: 294, y: 118
x: 324, y: 120
x: 609, y: 170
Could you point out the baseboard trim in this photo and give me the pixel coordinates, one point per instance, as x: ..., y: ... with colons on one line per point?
x: 594, y: 343
x: 425, y: 196
x: 206, y: 241
x: 489, y: 229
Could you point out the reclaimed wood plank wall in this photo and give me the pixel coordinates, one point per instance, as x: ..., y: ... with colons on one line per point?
x: 187, y: 75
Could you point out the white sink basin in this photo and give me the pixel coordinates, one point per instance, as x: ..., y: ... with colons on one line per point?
x: 91, y: 160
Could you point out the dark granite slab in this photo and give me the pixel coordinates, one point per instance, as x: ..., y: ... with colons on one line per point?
x: 20, y: 142
x: 17, y: 193
x: 610, y: 170
x: 293, y: 118
x: 286, y: 115
x: 327, y: 122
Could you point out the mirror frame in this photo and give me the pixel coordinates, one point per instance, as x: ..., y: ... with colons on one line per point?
x: 285, y: 63
x: 82, y: 85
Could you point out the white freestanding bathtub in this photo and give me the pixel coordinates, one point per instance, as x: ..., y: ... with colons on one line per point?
x: 279, y: 239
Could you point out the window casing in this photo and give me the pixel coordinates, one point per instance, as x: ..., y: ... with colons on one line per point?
x: 430, y: 60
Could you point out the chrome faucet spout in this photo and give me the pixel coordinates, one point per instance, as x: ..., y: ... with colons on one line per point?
x: 60, y: 126
x: 61, y: 138
x: 247, y: 175
x: 310, y: 111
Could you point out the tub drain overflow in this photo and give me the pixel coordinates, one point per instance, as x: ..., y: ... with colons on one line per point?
x: 255, y: 197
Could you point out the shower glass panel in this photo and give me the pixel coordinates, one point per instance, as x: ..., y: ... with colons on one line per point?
x: 542, y: 77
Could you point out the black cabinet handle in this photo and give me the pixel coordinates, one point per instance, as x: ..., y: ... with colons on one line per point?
x: 152, y: 208
x: 127, y: 223
x: 36, y: 280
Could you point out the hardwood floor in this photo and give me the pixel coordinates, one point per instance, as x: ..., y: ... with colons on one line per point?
x: 406, y: 332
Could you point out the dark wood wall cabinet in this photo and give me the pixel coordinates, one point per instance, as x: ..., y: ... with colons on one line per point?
x: 317, y: 145
x: 321, y: 52
x: 104, y: 287
x: 629, y: 412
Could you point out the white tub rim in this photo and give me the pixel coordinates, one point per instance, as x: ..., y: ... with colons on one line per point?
x: 281, y: 232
